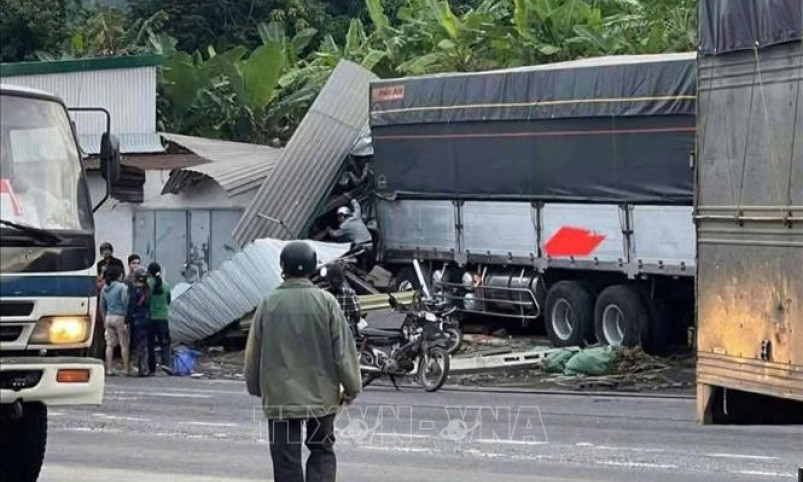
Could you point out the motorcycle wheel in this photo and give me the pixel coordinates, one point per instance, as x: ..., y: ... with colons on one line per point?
x: 455, y: 335
x: 433, y: 369
x: 367, y: 378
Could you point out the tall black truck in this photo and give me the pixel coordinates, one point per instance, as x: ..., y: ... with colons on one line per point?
x: 560, y: 192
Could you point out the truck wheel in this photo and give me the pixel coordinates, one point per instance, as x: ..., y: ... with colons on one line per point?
x: 22, y: 444
x: 621, y: 318
x: 569, y: 313
x: 406, y: 280
x: 657, y: 336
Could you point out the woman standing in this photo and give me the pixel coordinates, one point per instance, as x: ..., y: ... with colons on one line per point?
x: 160, y: 331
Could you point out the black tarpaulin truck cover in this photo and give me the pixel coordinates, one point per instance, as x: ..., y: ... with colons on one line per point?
x: 610, y: 129
x: 732, y: 25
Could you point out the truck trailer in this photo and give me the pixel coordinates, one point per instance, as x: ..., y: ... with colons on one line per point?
x: 562, y: 191
x: 749, y: 211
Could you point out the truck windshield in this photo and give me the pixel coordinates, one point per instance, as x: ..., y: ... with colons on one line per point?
x: 41, y: 182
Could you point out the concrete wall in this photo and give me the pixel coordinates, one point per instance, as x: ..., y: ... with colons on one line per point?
x: 114, y: 222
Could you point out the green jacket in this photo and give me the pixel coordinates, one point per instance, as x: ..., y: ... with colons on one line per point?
x: 300, y: 351
x: 159, y: 303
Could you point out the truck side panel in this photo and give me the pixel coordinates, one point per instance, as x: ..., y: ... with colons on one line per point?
x: 750, y: 221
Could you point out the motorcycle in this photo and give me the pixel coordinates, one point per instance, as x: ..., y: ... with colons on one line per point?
x: 418, y: 347
x: 445, y: 313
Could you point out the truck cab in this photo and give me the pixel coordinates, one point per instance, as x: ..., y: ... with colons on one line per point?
x: 47, y: 279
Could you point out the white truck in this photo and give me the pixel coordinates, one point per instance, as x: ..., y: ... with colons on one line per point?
x: 47, y: 280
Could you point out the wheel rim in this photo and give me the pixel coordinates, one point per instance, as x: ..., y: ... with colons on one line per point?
x: 434, y: 368
x: 563, y: 319
x: 613, y: 321
x: 454, y: 338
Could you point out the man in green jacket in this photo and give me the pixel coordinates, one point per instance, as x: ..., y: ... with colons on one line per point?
x: 300, y: 351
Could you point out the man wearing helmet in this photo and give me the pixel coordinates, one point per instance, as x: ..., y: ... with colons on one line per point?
x: 300, y: 352
x: 352, y: 229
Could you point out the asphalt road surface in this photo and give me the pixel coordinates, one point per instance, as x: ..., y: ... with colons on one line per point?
x: 182, y: 430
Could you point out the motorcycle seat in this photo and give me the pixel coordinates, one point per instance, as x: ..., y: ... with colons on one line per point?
x: 379, y: 333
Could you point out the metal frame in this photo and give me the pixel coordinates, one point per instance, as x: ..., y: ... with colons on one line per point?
x: 525, y: 317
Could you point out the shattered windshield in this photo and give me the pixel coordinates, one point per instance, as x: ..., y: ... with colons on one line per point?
x: 40, y: 171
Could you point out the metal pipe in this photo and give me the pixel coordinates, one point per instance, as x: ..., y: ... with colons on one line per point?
x: 279, y: 222
x: 421, y: 279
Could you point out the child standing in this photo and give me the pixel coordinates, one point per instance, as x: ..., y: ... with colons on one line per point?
x: 139, y: 314
x: 160, y: 300
x: 113, y: 306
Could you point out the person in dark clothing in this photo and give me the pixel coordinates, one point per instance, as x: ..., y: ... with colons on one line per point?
x: 345, y: 296
x: 160, y: 331
x: 107, y: 259
x: 300, y: 352
x: 139, y: 314
x: 352, y: 229
x: 134, y: 263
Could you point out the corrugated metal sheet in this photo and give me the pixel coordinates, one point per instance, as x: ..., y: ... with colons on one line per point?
x: 129, y: 143
x: 312, y: 158
x: 128, y: 94
x: 234, y: 290
x: 236, y: 166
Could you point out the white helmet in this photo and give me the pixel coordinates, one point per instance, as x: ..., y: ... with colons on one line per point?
x: 343, y: 211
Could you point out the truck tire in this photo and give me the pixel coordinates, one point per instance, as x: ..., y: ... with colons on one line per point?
x: 569, y: 314
x: 621, y: 317
x: 22, y: 444
x: 406, y: 280
x: 658, y: 335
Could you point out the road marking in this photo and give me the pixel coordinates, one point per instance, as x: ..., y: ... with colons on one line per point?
x: 644, y: 465
x: 106, y: 416
x: 742, y: 456
x: 386, y: 448
x: 404, y: 435
x: 171, y: 395
x: 584, y: 444
x: 89, y: 429
x: 57, y: 473
x: 628, y: 449
x: 763, y: 474
x: 509, y: 442
x: 53, y: 413
x: 211, y: 424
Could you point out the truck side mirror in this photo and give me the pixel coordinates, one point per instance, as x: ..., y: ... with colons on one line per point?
x: 110, y: 158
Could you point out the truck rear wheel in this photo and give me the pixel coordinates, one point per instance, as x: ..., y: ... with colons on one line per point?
x: 569, y: 314
x: 22, y: 443
x: 621, y: 318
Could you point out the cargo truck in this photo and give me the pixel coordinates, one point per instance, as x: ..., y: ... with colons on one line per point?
x: 560, y: 192
x: 47, y: 280
x: 749, y: 211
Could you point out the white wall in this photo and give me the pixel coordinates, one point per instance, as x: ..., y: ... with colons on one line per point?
x: 114, y: 221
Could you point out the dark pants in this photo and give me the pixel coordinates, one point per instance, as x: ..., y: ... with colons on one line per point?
x: 159, y: 336
x: 285, y: 449
x: 141, y: 333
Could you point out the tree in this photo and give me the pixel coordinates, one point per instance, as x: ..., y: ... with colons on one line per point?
x: 224, y: 24
x: 30, y: 25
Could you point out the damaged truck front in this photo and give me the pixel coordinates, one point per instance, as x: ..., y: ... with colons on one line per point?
x: 561, y: 192
x: 47, y: 280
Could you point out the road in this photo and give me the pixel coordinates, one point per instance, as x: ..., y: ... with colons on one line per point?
x: 181, y: 430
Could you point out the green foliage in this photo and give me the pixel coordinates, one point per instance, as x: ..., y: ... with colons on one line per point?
x: 276, y: 54
x: 30, y: 25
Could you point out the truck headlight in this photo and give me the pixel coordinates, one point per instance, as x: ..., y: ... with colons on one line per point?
x: 60, y: 330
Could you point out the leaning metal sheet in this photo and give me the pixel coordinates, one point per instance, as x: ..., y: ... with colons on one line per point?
x: 411, y: 225
x: 500, y: 229
x: 234, y: 290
